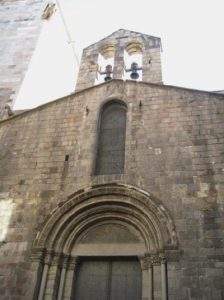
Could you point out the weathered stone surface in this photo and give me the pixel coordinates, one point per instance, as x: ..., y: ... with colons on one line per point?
x: 161, y: 157
x: 20, y: 22
x: 173, y: 172
x: 120, y: 40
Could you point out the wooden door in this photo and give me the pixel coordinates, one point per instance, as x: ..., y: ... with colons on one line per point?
x: 108, y: 279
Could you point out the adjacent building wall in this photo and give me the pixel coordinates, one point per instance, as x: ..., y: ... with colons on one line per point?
x: 174, y: 150
x: 20, y: 23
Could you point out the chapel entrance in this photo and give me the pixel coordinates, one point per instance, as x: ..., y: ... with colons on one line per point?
x: 109, y: 278
x: 106, y: 243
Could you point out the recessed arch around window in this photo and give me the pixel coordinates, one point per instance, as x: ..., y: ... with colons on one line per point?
x: 110, y: 156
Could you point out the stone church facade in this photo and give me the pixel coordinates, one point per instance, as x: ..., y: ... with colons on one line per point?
x: 117, y: 190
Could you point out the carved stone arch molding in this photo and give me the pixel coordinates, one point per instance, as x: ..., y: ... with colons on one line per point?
x: 120, y: 204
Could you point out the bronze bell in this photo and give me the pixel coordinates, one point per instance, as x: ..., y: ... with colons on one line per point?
x: 108, y: 72
x: 134, y: 71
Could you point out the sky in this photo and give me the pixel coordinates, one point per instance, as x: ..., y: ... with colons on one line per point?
x: 191, y: 32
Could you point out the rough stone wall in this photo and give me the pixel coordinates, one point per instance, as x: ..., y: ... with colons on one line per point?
x: 20, y: 24
x: 151, y: 50
x: 174, y: 150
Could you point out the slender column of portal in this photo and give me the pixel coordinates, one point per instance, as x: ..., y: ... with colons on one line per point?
x: 43, y: 282
x: 158, y: 276
x: 150, y: 281
x: 62, y: 277
x: 164, y: 279
x: 47, y: 262
x: 37, y: 263
x: 69, y: 277
x: 145, y: 282
x: 53, y: 277
x: 147, y: 277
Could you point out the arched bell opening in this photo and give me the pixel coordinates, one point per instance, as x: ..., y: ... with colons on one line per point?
x: 108, y: 223
x: 105, y: 63
x: 133, y: 58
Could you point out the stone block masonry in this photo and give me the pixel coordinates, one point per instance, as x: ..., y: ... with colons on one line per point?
x: 171, y: 190
x: 174, y: 150
x: 20, y: 23
x: 120, y: 41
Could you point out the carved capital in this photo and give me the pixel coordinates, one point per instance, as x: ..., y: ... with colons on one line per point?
x: 144, y: 261
x: 72, y: 262
x: 152, y: 259
x: 49, y: 257
x: 158, y: 259
x: 65, y: 261
x: 56, y: 259
x: 37, y: 255
x: 163, y: 258
x: 155, y: 259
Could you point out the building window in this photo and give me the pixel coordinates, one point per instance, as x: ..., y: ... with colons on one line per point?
x: 111, y: 139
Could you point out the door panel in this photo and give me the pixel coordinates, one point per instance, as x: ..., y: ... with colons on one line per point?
x: 108, y: 279
x: 126, y: 280
x: 92, y: 280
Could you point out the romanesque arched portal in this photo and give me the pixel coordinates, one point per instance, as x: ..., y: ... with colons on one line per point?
x: 104, y: 221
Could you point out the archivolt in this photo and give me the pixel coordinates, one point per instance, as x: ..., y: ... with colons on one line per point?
x: 87, y: 207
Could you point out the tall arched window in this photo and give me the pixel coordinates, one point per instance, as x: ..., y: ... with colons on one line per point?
x: 111, y: 139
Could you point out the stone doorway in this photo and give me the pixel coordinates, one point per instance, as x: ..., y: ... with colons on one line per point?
x: 108, y: 221
x: 110, y: 278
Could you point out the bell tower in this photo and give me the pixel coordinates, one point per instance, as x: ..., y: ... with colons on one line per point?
x: 122, y: 55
